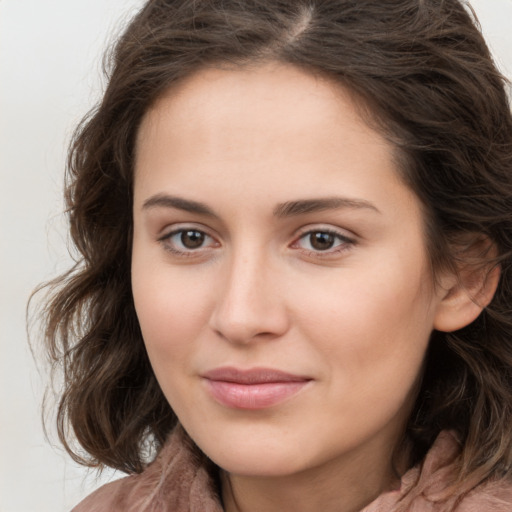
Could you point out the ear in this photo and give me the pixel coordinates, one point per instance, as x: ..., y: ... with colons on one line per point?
x: 466, y: 292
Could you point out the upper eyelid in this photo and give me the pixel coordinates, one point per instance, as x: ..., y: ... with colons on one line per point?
x: 345, y: 245
x: 172, y: 229
x: 346, y: 238
x: 341, y: 232
x: 342, y: 238
x: 165, y: 241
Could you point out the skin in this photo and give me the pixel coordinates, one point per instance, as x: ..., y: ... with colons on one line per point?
x: 354, y: 318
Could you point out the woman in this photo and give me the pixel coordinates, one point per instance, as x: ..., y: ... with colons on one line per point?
x: 294, y: 222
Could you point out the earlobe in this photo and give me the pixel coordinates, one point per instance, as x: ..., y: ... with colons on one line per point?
x: 466, y: 297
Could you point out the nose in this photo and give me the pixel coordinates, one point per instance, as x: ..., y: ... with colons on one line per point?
x: 250, y: 302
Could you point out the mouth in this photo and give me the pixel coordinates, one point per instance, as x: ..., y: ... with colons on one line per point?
x: 257, y: 388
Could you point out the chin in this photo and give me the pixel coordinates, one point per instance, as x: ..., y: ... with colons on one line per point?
x: 258, y: 463
x: 251, y: 453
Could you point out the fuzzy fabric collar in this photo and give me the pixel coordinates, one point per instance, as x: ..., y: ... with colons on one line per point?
x: 180, y: 480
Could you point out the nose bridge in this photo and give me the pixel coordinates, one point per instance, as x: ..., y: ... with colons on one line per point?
x: 249, y: 303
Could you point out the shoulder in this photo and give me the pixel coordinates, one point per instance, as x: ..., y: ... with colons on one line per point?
x: 437, y: 471
x: 495, y: 496
x: 110, y: 497
x: 426, y: 487
x: 177, y: 481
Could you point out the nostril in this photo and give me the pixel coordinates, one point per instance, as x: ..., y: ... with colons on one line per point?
x: 252, y: 326
x: 247, y: 305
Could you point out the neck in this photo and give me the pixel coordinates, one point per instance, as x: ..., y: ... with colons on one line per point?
x: 341, y: 488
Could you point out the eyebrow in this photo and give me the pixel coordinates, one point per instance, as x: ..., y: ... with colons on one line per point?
x: 287, y: 209
x: 165, y: 201
x: 304, y: 206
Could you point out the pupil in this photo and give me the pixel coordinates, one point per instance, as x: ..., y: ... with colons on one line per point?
x: 192, y: 239
x: 321, y: 241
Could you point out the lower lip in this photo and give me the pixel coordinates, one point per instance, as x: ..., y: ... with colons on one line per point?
x: 253, y: 396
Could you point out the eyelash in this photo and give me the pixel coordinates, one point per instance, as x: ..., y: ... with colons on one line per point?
x: 166, y: 241
x: 344, y: 242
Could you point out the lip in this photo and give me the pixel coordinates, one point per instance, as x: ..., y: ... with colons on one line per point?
x: 253, y: 389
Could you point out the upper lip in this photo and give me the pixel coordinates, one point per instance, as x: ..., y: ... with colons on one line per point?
x: 252, y: 375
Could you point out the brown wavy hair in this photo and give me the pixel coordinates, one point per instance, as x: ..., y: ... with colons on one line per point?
x: 424, y: 77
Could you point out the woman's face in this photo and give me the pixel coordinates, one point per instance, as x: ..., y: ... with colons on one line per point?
x: 280, y: 274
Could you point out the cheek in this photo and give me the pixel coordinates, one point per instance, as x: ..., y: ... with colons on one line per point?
x: 373, y: 325
x: 171, y: 309
x: 171, y: 315
x: 373, y: 357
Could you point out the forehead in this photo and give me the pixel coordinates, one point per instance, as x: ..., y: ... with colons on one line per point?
x: 266, y: 94
x: 272, y: 128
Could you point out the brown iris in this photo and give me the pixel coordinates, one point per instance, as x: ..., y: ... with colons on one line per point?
x: 192, y: 239
x: 321, y: 241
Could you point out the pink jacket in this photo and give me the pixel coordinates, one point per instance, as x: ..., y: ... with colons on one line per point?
x: 178, y: 481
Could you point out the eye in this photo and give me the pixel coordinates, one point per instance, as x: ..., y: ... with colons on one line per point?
x: 322, y: 240
x: 187, y: 240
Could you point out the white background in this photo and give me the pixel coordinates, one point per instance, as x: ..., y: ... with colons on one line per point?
x: 50, y: 54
